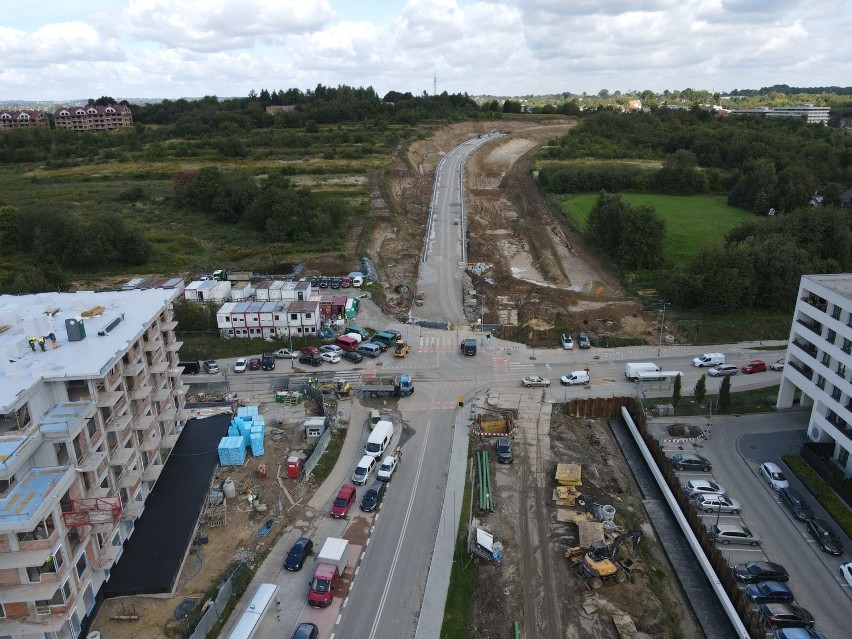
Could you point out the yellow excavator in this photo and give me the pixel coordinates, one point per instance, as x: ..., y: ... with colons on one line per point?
x: 401, y: 348
x: 601, y: 562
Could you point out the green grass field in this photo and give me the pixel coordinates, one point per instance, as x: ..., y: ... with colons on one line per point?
x: 692, y: 222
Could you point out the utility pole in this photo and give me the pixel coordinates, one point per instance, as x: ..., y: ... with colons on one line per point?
x: 664, y: 306
x: 434, y: 82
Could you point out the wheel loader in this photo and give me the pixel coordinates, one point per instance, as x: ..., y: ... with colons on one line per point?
x: 601, y: 563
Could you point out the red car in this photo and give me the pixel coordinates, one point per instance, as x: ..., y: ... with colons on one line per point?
x: 343, y: 502
x: 754, y: 366
x: 254, y: 364
x: 311, y: 350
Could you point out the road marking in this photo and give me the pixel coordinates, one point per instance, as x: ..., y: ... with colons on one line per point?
x: 396, y: 554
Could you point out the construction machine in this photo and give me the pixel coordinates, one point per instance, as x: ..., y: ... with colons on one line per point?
x: 401, y: 348
x: 601, y: 563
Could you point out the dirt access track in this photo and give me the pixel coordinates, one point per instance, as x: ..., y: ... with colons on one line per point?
x: 534, y: 275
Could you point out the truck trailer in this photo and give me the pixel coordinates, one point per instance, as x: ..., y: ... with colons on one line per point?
x: 385, y: 385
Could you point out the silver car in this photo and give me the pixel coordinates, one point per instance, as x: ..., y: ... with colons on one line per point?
x: 733, y: 534
x: 703, y: 487
x: 722, y: 370
x: 717, y: 503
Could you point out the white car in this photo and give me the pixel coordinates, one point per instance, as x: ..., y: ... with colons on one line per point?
x: 846, y: 571
x: 774, y: 476
x: 386, y: 469
x: 532, y: 381
x: 331, y: 348
x: 567, y: 342
x: 777, y: 365
x: 331, y: 358
x: 286, y: 353
x: 241, y: 365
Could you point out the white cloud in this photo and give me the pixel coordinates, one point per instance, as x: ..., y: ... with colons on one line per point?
x: 55, y: 43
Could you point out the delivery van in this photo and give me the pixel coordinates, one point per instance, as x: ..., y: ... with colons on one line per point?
x: 379, y: 439
x: 708, y: 360
x: 632, y: 370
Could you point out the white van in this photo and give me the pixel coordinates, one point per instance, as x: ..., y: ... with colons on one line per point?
x: 708, y: 360
x: 379, y: 439
x: 576, y: 377
x: 632, y: 370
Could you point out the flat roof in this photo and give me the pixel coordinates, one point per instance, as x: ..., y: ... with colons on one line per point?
x: 23, y: 317
x: 841, y: 283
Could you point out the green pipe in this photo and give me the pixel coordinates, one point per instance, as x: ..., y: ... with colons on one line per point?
x: 516, y: 628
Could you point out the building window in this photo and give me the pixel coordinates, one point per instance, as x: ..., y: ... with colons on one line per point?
x: 843, y: 457
x: 820, y: 382
x: 847, y: 346
x: 82, y: 565
x: 835, y: 394
x: 294, y: 317
x: 832, y: 335
x: 835, y: 312
x: 826, y: 359
x: 841, y: 370
x: 2, y: 612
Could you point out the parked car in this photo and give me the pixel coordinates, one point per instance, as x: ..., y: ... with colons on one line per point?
x: 311, y: 360
x: 331, y: 348
x: 846, y: 571
x: 386, y: 468
x: 798, y: 506
x: 300, y: 551
x: 323, y: 282
x: 691, y: 461
x: 331, y: 358
x: 305, y: 631
x: 583, y: 341
x: 798, y: 633
x: 754, y: 366
x: 267, y: 362
x: 721, y: 370
x: 785, y: 615
x: 504, y: 451
x: 315, y: 281
x: 574, y: 378
x: 774, y: 476
x: 335, y: 282
x: 733, y: 534
x: 211, y: 366
x: 285, y: 353
x: 533, y: 381
x: 345, y: 282
x: 363, y: 469
x: 756, y: 571
x: 703, y: 486
x: 777, y: 365
x: 343, y: 502
x: 310, y: 350
x: 352, y: 356
x: 770, y: 592
x: 373, y: 497
x: 254, y: 364
x: 717, y: 503
x: 567, y: 342
x: 240, y: 365
x: 825, y: 536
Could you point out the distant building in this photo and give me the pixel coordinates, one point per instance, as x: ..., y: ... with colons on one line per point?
x: 812, y: 114
x: 93, y: 117
x: 14, y: 119
x: 91, y: 406
x: 273, y: 109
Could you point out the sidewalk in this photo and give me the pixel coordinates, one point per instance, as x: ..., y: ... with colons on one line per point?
x: 357, y: 415
x: 434, y: 599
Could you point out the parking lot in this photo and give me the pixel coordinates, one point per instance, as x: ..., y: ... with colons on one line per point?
x: 736, y: 448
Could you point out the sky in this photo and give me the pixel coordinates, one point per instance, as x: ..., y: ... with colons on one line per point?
x: 60, y: 50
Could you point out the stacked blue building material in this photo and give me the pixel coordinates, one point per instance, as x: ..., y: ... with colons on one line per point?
x: 248, y: 411
x: 257, y: 440
x: 234, y: 427
x: 232, y: 451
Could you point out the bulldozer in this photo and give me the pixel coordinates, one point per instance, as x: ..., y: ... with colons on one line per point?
x: 600, y: 563
x: 401, y: 348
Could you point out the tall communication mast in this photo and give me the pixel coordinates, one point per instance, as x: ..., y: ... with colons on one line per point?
x: 434, y: 82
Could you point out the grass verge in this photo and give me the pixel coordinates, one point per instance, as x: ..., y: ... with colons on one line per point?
x: 829, y: 500
x: 329, y: 457
x: 462, y: 577
x: 758, y: 400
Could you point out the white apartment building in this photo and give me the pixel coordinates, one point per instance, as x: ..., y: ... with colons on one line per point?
x: 812, y: 114
x: 819, y: 361
x: 91, y: 405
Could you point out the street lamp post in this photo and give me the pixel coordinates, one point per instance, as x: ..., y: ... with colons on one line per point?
x: 662, y: 326
x: 290, y: 334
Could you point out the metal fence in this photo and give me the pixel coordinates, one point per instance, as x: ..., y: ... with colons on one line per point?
x: 220, y: 601
x: 322, y: 444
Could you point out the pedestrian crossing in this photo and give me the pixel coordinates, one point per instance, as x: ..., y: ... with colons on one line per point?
x: 437, y: 344
x: 506, y: 366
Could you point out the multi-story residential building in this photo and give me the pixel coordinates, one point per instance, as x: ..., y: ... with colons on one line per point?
x: 819, y: 361
x: 14, y: 119
x: 91, y: 405
x: 812, y: 114
x: 93, y: 117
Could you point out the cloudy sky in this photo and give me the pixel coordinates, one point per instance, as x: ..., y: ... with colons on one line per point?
x: 57, y: 50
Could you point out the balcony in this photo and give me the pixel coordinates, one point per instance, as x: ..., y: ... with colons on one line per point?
x: 152, y: 473
x: 152, y: 443
x: 167, y: 414
x: 162, y: 394
x: 816, y: 301
x: 90, y: 462
x: 121, y: 456
x: 132, y: 370
x: 160, y: 367
x: 141, y: 392
x: 132, y: 510
x: 153, y: 346
x: 109, y: 399
x: 143, y: 423
x: 174, y: 347
x: 807, y: 347
x: 814, y: 327
x: 118, y: 424
x: 170, y: 441
x: 107, y: 557
x: 130, y: 478
x: 168, y: 326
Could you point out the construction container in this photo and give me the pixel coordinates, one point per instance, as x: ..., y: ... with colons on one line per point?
x: 294, y: 467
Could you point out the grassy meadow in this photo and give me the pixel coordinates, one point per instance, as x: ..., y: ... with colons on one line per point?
x: 692, y: 222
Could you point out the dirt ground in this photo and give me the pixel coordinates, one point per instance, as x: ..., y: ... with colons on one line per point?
x: 535, y: 584
x: 237, y: 539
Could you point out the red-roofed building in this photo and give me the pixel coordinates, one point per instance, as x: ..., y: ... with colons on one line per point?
x: 93, y: 117
x: 14, y: 119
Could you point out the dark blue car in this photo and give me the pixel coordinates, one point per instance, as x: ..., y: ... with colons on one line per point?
x: 770, y: 592
x: 298, y: 553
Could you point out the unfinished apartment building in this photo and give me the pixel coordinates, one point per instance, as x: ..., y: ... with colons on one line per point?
x: 91, y: 405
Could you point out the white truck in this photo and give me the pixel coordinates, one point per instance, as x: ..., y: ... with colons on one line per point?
x: 633, y: 370
x: 708, y: 360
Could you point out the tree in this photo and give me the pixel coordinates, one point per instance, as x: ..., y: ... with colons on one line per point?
x: 8, y: 229
x: 700, y: 389
x: 676, y: 392
x: 725, y: 393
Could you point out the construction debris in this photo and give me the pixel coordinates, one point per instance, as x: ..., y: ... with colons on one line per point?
x: 565, y: 495
x: 569, y: 474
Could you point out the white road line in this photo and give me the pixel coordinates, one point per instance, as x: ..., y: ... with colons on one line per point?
x: 396, y: 554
